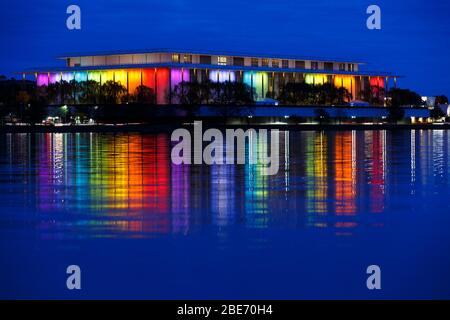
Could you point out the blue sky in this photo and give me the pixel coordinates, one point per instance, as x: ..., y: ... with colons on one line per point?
x: 414, y: 41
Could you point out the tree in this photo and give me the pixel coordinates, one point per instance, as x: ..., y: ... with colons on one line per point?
x: 374, y: 95
x: 441, y: 100
x: 401, y: 97
x: 191, y: 93
x: 231, y: 98
x: 307, y: 94
x: 71, y: 92
x: 53, y: 93
x: 35, y: 111
x: 240, y: 93
x: 75, y: 90
x: 144, y: 95
x: 89, y: 92
x: 404, y: 97
x: 296, y: 93
x: 23, y: 97
x: 15, y: 96
x: 67, y: 91
x: 232, y: 93
x: 328, y: 94
x: 222, y: 93
x: 111, y: 92
x: 437, y: 112
x: 395, y: 113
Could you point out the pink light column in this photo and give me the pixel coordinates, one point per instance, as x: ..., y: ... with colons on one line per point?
x: 177, y: 76
x: 42, y: 79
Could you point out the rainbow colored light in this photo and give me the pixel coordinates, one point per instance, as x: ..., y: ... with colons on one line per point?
x: 156, y: 78
x: 222, y: 76
x: 347, y: 82
x: 259, y: 81
x: 377, y: 82
x: 316, y: 79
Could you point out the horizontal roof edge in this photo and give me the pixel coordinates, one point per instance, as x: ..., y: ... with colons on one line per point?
x: 206, y: 52
x: 201, y: 66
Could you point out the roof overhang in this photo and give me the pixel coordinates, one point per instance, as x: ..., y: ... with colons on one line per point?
x: 209, y: 67
x: 206, y: 52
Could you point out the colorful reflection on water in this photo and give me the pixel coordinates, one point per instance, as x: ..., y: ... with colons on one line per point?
x: 124, y: 185
x: 116, y: 205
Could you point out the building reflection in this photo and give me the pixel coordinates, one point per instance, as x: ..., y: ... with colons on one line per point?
x: 316, y: 172
x: 109, y: 185
x: 345, y: 181
x: 114, y: 183
x: 256, y: 186
x: 52, y: 172
x: 345, y: 191
x: 180, y: 198
x: 222, y: 194
x: 377, y: 154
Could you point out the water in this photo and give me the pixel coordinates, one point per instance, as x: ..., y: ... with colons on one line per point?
x: 141, y: 227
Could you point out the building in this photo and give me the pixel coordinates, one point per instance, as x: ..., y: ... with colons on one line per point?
x: 162, y: 70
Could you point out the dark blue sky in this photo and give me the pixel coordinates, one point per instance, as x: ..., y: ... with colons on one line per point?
x: 414, y: 40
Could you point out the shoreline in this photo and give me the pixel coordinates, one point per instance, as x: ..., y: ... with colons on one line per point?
x: 149, y: 128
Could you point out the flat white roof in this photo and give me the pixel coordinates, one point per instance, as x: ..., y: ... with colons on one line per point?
x: 206, y: 52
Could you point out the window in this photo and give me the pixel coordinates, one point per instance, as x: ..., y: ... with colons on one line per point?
x: 187, y: 58
x: 275, y: 63
x: 238, y: 61
x: 300, y: 64
x: 285, y: 63
x: 255, y: 62
x: 328, y: 66
x: 350, y: 67
x: 176, y: 58
x: 205, y: 59
x: 265, y: 62
x: 341, y: 66
x: 314, y: 65
x: 222, y: 61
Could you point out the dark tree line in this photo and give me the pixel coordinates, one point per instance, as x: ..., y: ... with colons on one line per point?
x: 235, y: 93
x: 374, y: 95
x: 92, y: 92
x: 208, y: 92
x: 24, y: 100
x: 397, y: 98
x: 231, y: 98
x: 308, y: 94
x: 21, y: 100
x: 403, y: 97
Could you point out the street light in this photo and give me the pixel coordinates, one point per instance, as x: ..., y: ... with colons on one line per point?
x: 64, y: 110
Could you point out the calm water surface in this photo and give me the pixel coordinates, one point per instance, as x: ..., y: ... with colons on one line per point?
x: 142, y: 227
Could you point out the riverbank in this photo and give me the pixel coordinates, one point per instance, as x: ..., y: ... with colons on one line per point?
x: 172, y: 126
